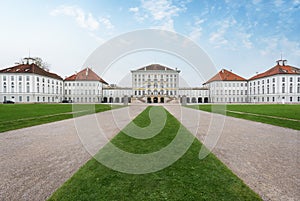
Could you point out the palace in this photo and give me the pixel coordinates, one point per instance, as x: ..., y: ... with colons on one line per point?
x: 155, y: 83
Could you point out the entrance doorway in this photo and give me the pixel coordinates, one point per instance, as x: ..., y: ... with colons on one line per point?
x: 155, y: 100
x: 149, y: 100
x: 162, y: 100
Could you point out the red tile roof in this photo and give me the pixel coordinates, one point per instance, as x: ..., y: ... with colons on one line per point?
x: 30, y: 68
x: 155, y: 67
x: 85, y: 75
x: 278, y: 69
x: 225, y: 75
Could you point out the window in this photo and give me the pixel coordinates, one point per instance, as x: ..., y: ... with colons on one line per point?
x: 283, y: 79
x: 268, y: 89
x: 12, y: 78
x: 283, y: 88
x: 298, y: 88
x: 291, y: 88
x: 20, y: 87
x: 20, y: 98
x: 20, y: 78
x: 291, y: 99
x: 291, y: 79
x: 4, y: 78
x: 27, y: 78
x: 27, y: 98
x: 273, y: 79
x: 268, y: 81
x: 298, y: 79
x: 12, y: 87
x: 37, y: 79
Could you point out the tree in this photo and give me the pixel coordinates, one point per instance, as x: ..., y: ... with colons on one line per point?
x: 42, y: 64
x: 36, y: 60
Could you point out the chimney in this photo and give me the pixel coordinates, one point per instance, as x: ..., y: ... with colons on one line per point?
x: 283, y: 62
x: 278, y: 62
x: 87, y: 71
x: 222, y: 70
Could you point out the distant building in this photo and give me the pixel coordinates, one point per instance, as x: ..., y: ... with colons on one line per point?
x: 279, y: 84
x: 25, y: 83
x: 84, y: 87
x: 227, y: 87
x: 116, y: 94
x: 155, y: 83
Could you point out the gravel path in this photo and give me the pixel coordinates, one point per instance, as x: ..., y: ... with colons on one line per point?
x: 265, y: 157
x: 35, y: 161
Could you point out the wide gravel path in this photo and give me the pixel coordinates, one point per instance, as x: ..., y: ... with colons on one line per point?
x: 35, y: 161
x: 265, y: 157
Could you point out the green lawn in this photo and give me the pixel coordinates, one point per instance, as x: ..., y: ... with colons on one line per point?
x: 189, y: 178
x: 275, y: 110
x: 15, y: 116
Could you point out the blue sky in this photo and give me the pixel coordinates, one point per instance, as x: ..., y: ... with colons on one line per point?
x: 243, y: 36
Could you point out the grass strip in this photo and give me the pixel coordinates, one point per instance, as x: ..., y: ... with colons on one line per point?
x: 287, y: 116
x: 187, y: 179
x: 18, y: 116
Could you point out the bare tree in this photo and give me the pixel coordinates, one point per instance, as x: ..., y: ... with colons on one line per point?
x: 42, y: 64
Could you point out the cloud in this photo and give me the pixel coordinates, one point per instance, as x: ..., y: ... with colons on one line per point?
x: 134, y: 9
x: 160, y: 12
x: 83, y: 20
x: 218, y: 38
x: 106, y: 23
x: 196, y: 32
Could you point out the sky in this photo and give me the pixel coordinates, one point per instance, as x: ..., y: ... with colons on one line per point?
x: 246, y: 37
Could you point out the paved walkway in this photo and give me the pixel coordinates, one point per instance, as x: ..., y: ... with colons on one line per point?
x: 35, y: 161
x: 266, y: 157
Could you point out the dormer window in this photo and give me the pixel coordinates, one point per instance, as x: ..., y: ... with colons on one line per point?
x: 26, y: 70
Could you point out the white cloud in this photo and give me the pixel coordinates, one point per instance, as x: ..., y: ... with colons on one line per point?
x: 83, y: 20
x: 106, y: 22
x: 134, y: 9
x: 278, y: 3
x: 196, y: 32
x: 256, y: 1
x: 218, y: 38
x: 161, y: 12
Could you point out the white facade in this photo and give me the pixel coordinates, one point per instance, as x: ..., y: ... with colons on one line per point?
x: 195, y: 95
x: 228, y: 91
x: 280, y: 88
x: 155, y: 83
x: 80, y: 91
x: 116, y: 94
x: 29, y: 87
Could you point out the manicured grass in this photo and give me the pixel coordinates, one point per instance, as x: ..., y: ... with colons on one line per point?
x: 274, y: 110
x: 189, y: 178
x: 15, y: 116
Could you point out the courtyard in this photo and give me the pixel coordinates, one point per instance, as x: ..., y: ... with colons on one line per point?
x: 36, y: 161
